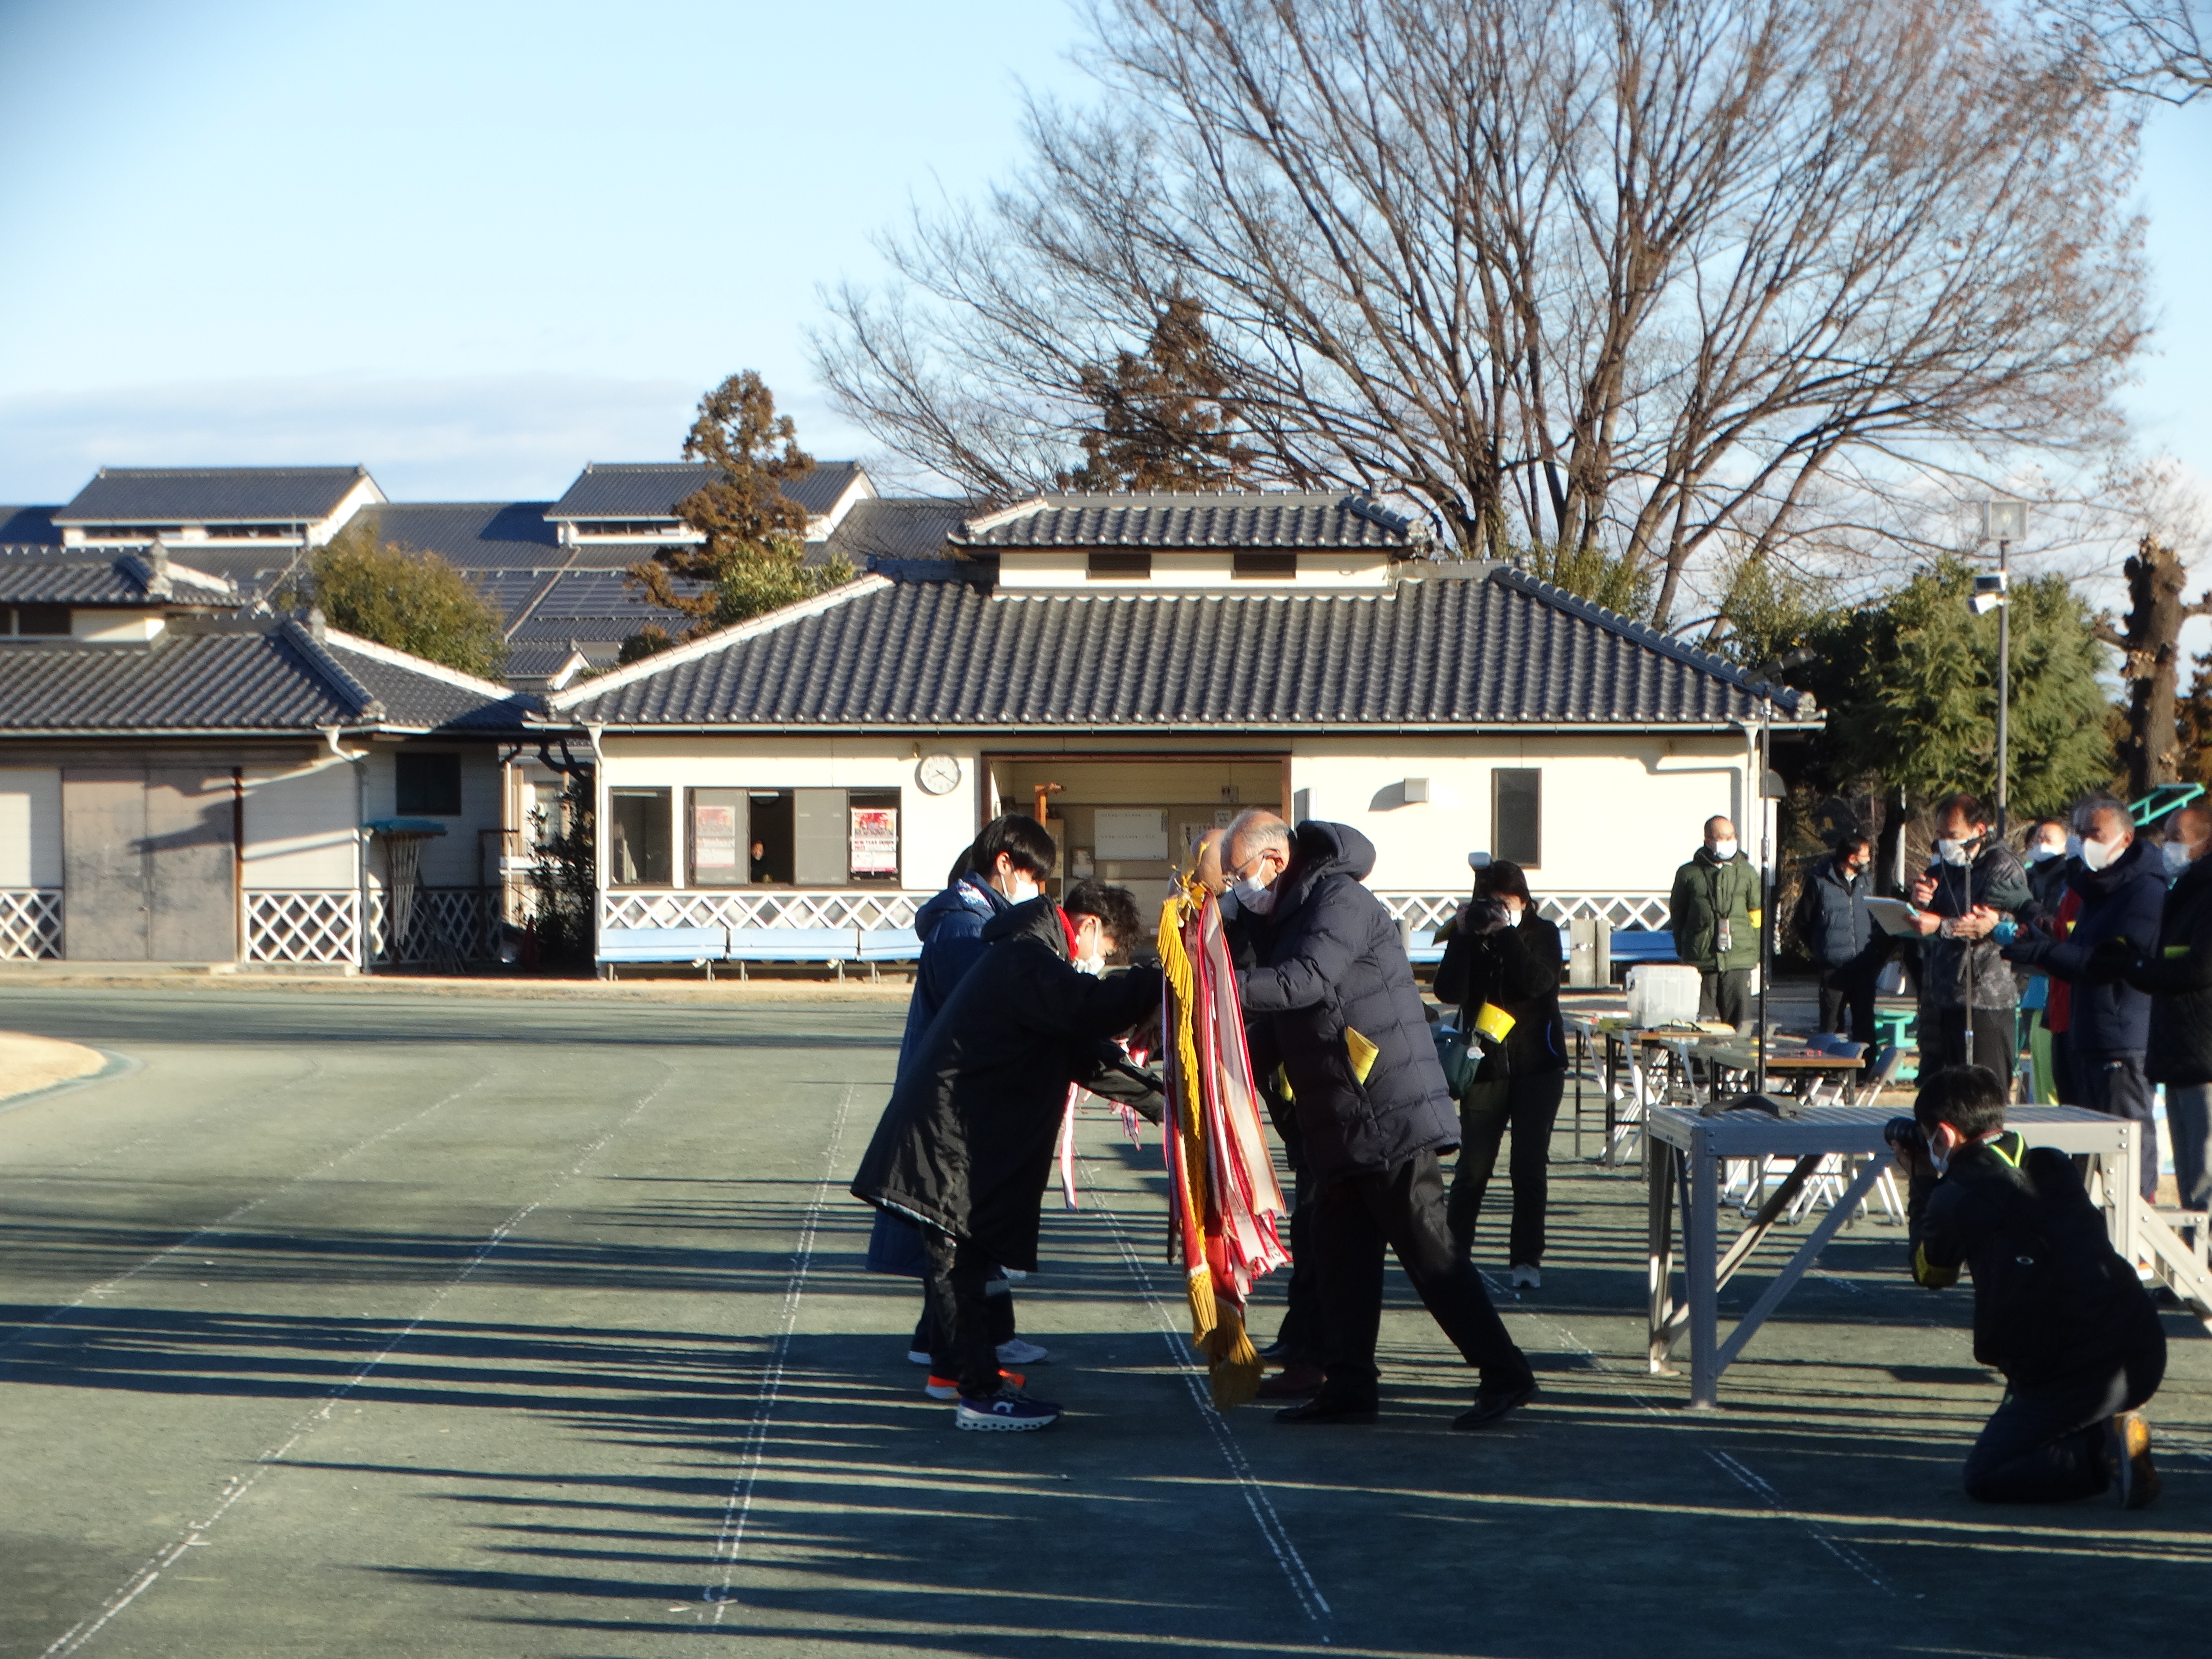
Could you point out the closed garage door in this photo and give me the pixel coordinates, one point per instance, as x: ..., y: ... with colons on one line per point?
x: 148, y: 864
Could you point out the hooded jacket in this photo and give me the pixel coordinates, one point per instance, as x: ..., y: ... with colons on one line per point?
x: 2178, y: 975
x: 965, y: 1143
x: 1707, y: 892
x: 1994, y: 878
x: 2122, y: 901
x: 951, y: 928
x: 1328, y: 962
x: 2051, y: 1294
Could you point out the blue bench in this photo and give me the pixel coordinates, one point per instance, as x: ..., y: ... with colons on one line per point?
x: 698, y: 946
x: 834, y: 947
x: 1633, y: 944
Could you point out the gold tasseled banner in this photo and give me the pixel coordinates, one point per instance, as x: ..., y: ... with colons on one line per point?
x: 1233, y: 1363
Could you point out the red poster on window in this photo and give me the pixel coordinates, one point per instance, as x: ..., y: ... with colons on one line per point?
x: 875, y: 841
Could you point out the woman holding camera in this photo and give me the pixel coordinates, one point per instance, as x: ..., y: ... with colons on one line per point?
x: 1501, y: 966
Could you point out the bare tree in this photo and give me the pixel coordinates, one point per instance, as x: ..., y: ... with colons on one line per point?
x: 1666, y: 276
x: 2149, y: 634
x: 2150, y: 48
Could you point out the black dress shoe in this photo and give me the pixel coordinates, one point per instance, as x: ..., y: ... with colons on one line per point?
x: 1273, y: 1350
x: 1321, y: 1408
x: 1490, y: 1405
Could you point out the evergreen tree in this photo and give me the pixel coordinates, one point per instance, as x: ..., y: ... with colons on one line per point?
x: 753, y: 557
x: 1162, y: 421
x: 402, y: 597
x: 1586, y: 570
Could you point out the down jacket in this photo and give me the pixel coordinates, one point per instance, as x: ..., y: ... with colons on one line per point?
x: 1947, y: 966
x: 1707, y: 892
x: 1832, y: 914
x: 2120, y: 901
x: 951, y: 928
x: 966, y: 1142
x: 1517, y: 968
x: 2178, y: 974
x: 1329, y: 961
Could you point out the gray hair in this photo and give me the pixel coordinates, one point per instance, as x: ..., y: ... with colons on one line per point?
x: 1258, y: 831
x: 2086, y: 814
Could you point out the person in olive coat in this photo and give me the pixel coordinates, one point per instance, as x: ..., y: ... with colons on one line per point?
x: 1503, y: 955
x: 964, y: 1146
x: 1331, y: 998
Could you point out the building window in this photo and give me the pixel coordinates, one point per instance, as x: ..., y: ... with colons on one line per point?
x: 429, y: 786
x: 38, y: 621
x: 1120, y: 566
x: 794, y: 838
x: 1516, y: 816
x: 1263, y: 566
x: 720, y: 848
x: 638, y: 837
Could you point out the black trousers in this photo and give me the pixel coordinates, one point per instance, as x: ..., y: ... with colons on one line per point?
x: 2046, y: 1443
x: 955, y: 1295
x: 2115, y: 1085
x: 1528, y: 1106
x: 1404, y: 1208
x: 1725, y: 994
x: 1847, y: 1001
x: 1300, y: 1333
x: 1993, y: 1041
x: 998, y: 1312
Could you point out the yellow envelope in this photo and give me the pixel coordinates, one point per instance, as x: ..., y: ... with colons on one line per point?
x: 1362, y: 1051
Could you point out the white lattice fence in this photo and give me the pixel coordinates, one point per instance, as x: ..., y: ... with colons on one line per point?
x: 1427, y: 912
x: 830, y: 908
x: 446, y: 921
x: 306, y: 927
x: 30, y: 923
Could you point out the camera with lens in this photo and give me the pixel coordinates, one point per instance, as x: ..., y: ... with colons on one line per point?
x: 1485, y: 915
x: 1906, y: 1135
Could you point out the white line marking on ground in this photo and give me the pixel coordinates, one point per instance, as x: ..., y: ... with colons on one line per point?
x: 1311, y: 1600
x: 245, y: 1481
x: 739, y: 1509
x: 216, y: 1228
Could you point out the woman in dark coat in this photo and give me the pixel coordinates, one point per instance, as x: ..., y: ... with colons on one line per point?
x: 964, y: 1146
x: 1502, y: 964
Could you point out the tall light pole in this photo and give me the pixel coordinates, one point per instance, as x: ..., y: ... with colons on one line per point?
x: 2004, y: 522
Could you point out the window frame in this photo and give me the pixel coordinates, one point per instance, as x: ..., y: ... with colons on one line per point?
x: 1498, y: 838
x: 413, y: 761
x: 645, y: 882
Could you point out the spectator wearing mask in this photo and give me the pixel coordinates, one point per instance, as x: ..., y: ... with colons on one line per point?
x: 964, y: 1146
x: 2122, y: 889
x: 1841, y: 937
x: 2056, y: 1309
x: 1714, y: 918
x: 2047, y: 850
x: 1004, y: 866
x: 2052, y: 853
x: 1969, y: 1001
x: 2178, y: 975
x: 1331, y: 998
x: 1501, y: 967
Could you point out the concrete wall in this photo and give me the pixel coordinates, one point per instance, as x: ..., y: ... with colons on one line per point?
x: 299, y: 825
x: 30, y: 826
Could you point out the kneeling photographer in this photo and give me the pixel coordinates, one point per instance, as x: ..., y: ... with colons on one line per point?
x: 2057, y: 1309
x: 1501, y: 967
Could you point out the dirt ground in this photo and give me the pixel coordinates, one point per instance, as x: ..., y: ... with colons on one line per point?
x: 397, y: 1322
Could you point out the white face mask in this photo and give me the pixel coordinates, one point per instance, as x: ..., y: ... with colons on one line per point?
x: 2178, y: 856
x: 1252, y: 896
x: 1021, y: 887
x: 1723, y: 850
x: 1954, y: 852
x: 2043, y: 853
x: 2099, y: 854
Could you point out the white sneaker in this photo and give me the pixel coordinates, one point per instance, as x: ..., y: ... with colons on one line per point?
x: 917, y: 1355
x: 1526, y: 1277
x: 1015, y: 1351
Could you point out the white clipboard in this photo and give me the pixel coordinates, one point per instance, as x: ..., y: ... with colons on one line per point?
x: 1894, y: 916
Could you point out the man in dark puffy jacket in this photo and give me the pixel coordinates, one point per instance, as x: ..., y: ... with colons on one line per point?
x: 965, y: 1146
x: 1006, y: 865
x: 1332, y: 1000
x: 1714, y: 917
x: 2056, y: 1309
x: 1841, y: 937
x: 2122, y: 887
x: 1969, y: 1000
x: 2178, y: 975
x: 1501, y: 968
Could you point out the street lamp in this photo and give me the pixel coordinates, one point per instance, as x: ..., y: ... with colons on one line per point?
x: 2004, y: 522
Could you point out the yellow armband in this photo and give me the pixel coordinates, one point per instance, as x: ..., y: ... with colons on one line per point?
x: 1927, y: 1273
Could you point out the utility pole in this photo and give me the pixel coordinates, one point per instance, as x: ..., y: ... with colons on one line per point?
x: 2006, y: 522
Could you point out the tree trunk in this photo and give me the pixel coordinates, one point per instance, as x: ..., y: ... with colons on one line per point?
x: 2152, y: 642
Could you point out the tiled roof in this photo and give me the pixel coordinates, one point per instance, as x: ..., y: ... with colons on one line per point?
x: 270, y: 677
x: 29, y: 527
x: 50, y: 576
x: 474, y: 535
x: 1461, y: 647
x: 651, y: 490
x: 210, y: 494
x: 1276, y: 520
x: 899, y: 528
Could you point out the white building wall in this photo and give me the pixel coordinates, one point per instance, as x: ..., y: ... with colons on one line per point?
x: 933, y: 830
x: 450, y: 859
x: 30, y: 826
x: 300, y: 827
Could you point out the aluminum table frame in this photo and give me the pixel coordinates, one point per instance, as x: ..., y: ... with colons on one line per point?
x: 1684, y: 1150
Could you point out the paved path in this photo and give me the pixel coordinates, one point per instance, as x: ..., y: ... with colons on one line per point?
x: 376, y: 1324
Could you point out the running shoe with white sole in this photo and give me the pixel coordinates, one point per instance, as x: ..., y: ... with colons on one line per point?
x: 1527, y: 1276
x: 1009, y: 1411
x: 1015, y: 1351
x: 2135, y: 1482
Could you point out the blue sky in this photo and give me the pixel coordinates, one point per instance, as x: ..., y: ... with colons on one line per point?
x: 474, y: 245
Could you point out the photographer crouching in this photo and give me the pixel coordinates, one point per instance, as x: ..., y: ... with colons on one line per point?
x: 2056, y: 1309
